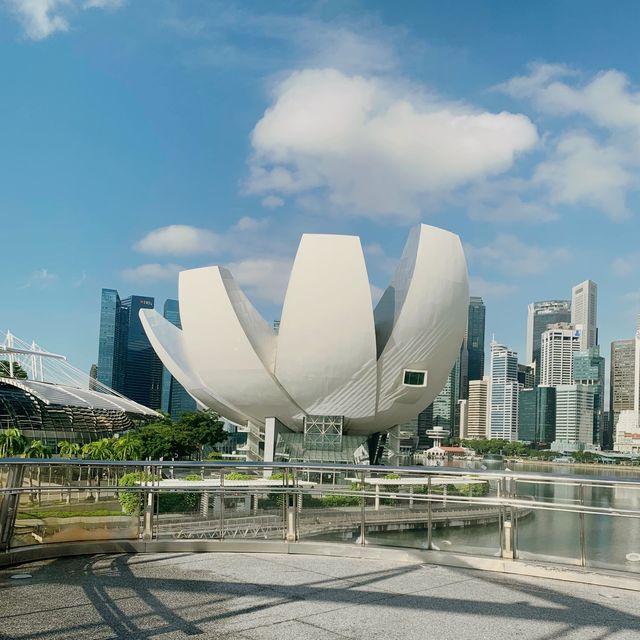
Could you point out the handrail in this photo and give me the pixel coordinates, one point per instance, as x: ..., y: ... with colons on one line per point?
x: 326, y: 467
x: 510, y: 495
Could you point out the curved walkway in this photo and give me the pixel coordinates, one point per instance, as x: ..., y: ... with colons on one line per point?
x: 250, y: 596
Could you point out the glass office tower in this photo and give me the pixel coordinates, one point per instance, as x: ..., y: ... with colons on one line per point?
x: 126, y: 361
x: 175, y: 399
x: 588, y: 369
x: 475, y: 339
x: 112, y: 341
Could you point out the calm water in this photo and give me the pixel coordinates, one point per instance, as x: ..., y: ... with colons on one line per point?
x: 545, y: 534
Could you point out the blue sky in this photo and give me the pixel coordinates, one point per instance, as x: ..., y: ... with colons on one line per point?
x: 141, y: 137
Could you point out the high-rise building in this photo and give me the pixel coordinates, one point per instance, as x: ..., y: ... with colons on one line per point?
x: 112, y: 341
x: 126, y: 360
x: 93, y: 376
x: 622, y: 381
x: 526, y: 375
x: 574, y: 415
x: 476, y: 427
x: 175, y: 399
x: 627, y: 432
x: 540, y: 315
x: 584, y: 312
x: 503, y: 394
x: 537, y: 415
x: 475, y: 339
x: 143, y: 376
x: 559, y: 342
x: 588, y: 369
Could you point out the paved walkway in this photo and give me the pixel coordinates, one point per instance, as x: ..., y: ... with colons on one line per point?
x: 250, y: 596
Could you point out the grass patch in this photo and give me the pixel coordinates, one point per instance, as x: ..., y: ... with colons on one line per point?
x: 24, y: 515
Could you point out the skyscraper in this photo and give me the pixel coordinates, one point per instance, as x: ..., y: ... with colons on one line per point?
x: 559, y: 343
x: 574, y: 415
x: 622, y: 381
x: 584, y: 312
x: 588, y: 369
x: 143, y: 376
x: 175, y: 399
x: 503, y: 399
x: 112, y: 341
x: 126, y: 360
x: 537, y: 415
x: 475, y: 339
x: 476, y: 426
x: 540, y: 315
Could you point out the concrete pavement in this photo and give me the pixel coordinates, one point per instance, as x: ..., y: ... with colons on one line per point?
x: 260, y: 596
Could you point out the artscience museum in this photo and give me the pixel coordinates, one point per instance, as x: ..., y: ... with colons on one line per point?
x: 339, y: 373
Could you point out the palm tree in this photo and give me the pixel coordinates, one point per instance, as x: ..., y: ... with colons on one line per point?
x: 70, y: 450
x: 12, y: 443
x: 38, y: 449
x: 128, y: 448
x: 98, y: 450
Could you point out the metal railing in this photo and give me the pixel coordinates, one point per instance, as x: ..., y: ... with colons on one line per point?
x: 586, y: 521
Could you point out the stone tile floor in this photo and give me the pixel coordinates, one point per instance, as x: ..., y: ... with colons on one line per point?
x: 256, y: 596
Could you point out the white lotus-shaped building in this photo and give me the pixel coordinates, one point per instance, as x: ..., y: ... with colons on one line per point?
x: 333, y: 355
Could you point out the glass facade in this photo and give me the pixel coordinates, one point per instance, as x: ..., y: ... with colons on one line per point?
x: 541, y: 315
x: 537, y: 415
x: 112, y: 341
x: 588, y: 369
x: 503, y: 411
x: 52, y: 422
x: 175, y: 399
x: 475, y: 339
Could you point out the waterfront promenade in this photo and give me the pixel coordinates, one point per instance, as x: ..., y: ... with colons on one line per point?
x: 298, y: 597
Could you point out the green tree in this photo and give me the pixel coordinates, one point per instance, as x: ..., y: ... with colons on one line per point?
x: 37, y: 449
x: 128, y: 447
x: 12, y: 443
x: 68, y: 449
x: 18, y: 372
x: 202, y: 429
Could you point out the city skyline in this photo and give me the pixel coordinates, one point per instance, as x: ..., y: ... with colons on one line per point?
x: 155, y: 141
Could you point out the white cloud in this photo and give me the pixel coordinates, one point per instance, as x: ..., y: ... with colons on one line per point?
x: 512, y: 256
x: 179, y: 240
x: 272, y: 202
x: 41, y: 278
x: 581, y: 171
x: 263, y: 279
x: 152, y: 272
x: 42, y: 18
x: 247, y: 223
x: 625, y: 265
x: 375, y: 149
x: 507, y: 200
x: 607, y: 99
x: 488, y: 289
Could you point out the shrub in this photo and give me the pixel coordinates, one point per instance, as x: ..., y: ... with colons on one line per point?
x: 235, y: 475
x: 193, y: 477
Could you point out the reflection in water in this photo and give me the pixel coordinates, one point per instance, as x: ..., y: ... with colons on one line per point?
x: 611, y: 541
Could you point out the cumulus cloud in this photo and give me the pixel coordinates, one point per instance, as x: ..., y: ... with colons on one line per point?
x: 179, y: 240
x: 580, y: 170
x: 263, y: 279
x: 152, y: 272
x: 509, y: 254
x: 375, y: 149
x: 42, y: 18
x: 247, y: 223
x: 626, y: 265
x: 489, y: 289
x: 598, y: 165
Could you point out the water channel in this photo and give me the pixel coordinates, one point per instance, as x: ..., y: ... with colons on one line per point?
x: 610, y: 542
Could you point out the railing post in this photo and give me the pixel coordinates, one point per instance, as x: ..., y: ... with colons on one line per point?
x: 363, y: 504
x: 583, y: 552
x: 507, y: 546
x: 147, y: 531
x: 221, y: 506
x: 429, y: 516
x: 500, y: 517
x: 292, y: 511
x: 10, y: 504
